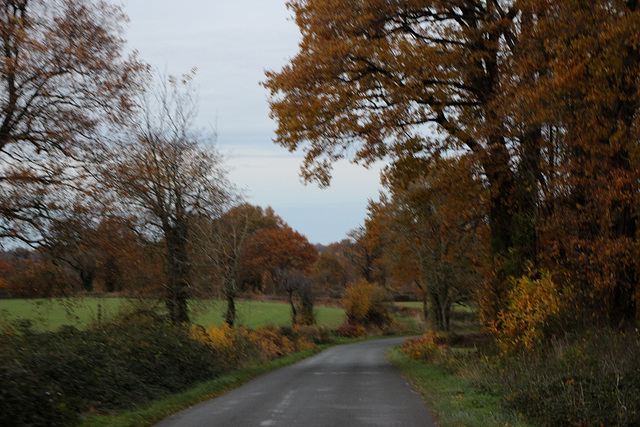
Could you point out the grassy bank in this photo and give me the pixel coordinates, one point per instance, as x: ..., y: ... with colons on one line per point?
x: 456, y: 397
x: 449, y: 374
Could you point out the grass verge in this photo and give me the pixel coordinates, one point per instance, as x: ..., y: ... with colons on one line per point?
x: 454, y: 398
x: 155, y: 411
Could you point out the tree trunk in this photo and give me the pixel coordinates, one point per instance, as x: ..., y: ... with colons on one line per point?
x: 87, y: 276
x: 306, y: 306
x: 230, y: 315
x: 294, y: 311
x: 177, y: 264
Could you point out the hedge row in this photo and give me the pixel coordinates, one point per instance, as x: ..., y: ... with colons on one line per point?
x: 50, y: 379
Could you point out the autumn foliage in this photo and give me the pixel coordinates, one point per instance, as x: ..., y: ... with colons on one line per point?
x: 534, y: 304
x: 366, y: 304
x: 428, y: 347
x: 278, y: 248
x: 540, y: 98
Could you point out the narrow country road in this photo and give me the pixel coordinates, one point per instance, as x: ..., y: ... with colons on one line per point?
x: 347, y: 385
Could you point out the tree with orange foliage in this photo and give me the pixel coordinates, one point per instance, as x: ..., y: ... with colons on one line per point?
x: 363, y: 249
x: 330, y: 273
x: 286, y: 257
x: 542, y: 95
x: 415, y: 79
x: 586, y: 101
x: 128, y: 263
x: 279, y: 248
x: 435, y: 236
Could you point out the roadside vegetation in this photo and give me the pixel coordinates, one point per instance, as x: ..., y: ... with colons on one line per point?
x: 58, y: 377
x: 135, y: 367
x: 511, y: 130
x: 468, y: 379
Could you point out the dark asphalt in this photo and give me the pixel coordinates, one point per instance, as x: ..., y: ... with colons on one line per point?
x: 347, y: 385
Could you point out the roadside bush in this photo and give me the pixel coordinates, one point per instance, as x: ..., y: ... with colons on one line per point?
x: 239, y: 346
x: 312, y: 334
x: 591, y: 380
x: 26, y: 399
x: 395, y: 328
x: 429, y: 347
x: 116, y: 366
x: 533, y: 302
x: 366, y: 304
x: 351, y: 330
x: 270, y: 343
x: 49, y: 378
x: 232, y: 345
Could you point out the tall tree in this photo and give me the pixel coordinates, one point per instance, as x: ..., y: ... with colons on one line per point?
x: 587, y: 96
x: 378, y: 78
x: 167, y: 174
x: 64, y: 78
x: 221, y: 242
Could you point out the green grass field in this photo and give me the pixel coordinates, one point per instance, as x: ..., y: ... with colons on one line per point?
x: 257, y: 313
x: 50, y: 314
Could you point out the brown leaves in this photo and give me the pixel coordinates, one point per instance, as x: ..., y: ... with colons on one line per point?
x: 279, y: 248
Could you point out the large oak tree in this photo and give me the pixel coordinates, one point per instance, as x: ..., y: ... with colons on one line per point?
x: 389, y: 79
x: 543, y: 95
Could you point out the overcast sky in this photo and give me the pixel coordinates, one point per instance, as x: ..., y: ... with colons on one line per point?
x: 232, y: 43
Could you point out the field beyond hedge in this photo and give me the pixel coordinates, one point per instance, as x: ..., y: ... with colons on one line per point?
x: 51, y: 314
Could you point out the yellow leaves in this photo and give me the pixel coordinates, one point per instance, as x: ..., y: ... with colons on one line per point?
x: 365, y: 303
x: 532, y: 302
x: 238, y: 345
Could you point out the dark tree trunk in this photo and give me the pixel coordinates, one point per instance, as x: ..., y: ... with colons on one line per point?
x: 87, y: 276
x: 230, y: 315
x: 112, y: 275
x: 294, y: 311
x: 177, y: 264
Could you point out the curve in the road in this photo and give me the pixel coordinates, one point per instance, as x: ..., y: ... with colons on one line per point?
x: 347, y: 385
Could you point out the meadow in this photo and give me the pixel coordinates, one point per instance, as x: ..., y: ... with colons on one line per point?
x: 51, y: 314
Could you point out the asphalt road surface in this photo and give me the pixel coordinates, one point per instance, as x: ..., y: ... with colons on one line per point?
x: 347, y: 385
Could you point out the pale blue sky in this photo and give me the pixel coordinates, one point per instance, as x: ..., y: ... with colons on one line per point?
x: 232, y: 43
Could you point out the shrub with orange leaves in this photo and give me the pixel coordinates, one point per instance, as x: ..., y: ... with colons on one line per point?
x: 427, y: 347
x: 365, y: 304
x: 270, y: 343
x: 232, y: 345
x: 532, y: 302
x: 240, y: 346
x: 351, y: 330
